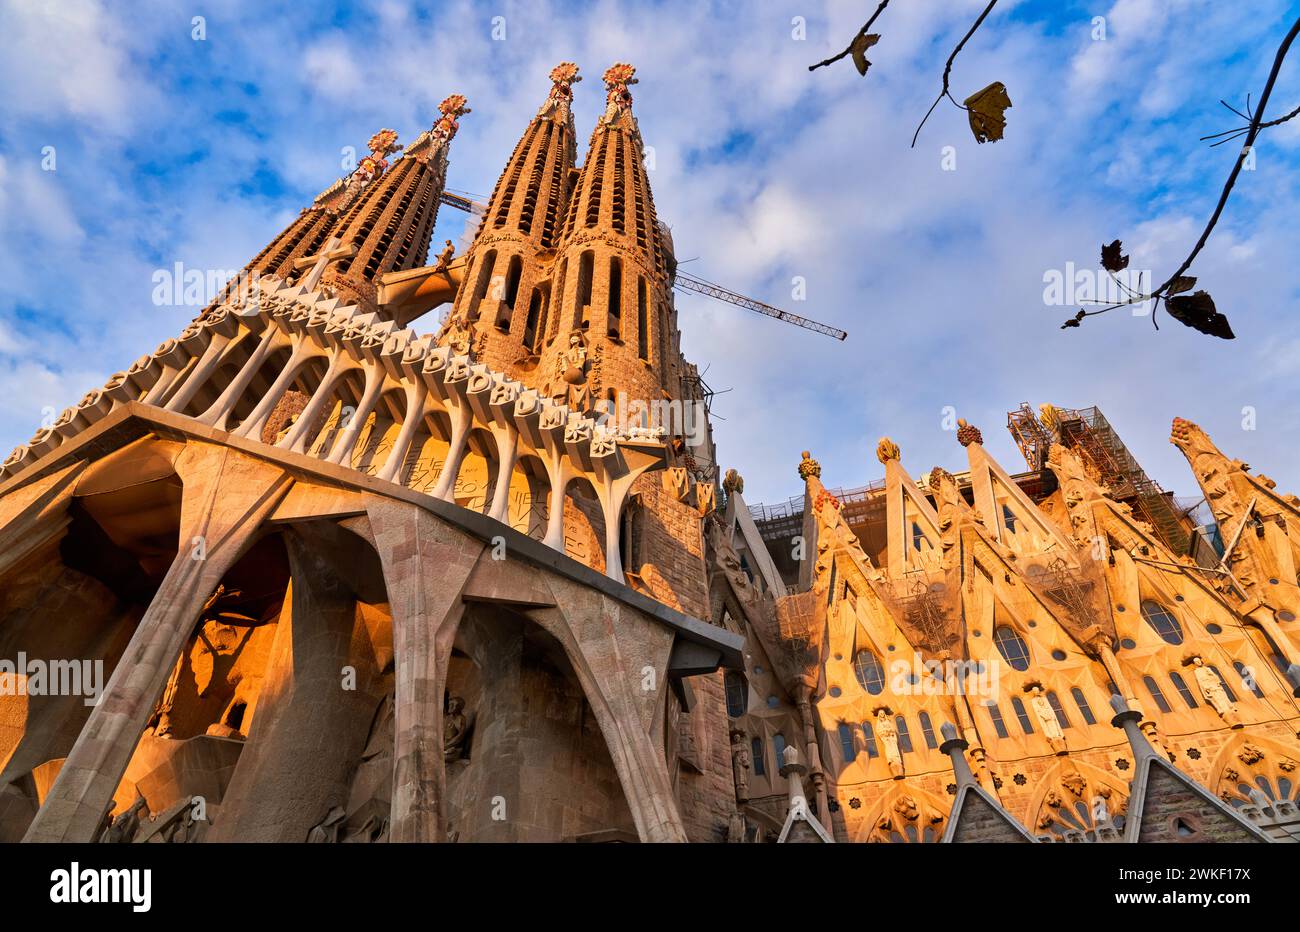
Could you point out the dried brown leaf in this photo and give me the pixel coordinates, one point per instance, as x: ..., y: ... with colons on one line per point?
x: 1180, y: 284
x: 1198, y: 312
x: 1113, y: 258
x: 985, y: 109
x: 862, y: 42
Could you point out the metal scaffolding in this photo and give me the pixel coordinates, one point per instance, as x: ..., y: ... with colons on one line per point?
x: 1088, y: 432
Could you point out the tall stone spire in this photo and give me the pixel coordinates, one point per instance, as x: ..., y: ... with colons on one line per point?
x: 613, y: 284
x: 502, y: 309
x: 390, y: 212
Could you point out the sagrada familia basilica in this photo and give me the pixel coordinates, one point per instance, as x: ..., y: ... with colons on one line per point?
x: 305, y: 574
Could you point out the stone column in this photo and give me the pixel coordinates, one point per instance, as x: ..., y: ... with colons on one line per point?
x: 616, y: 652
x: 309, y: 729
x: 462, y: 419
x: 415, y: 396
x: 227, y: 496
x: 219, y: 412
x: 341, y: 452
x: 426, y: 564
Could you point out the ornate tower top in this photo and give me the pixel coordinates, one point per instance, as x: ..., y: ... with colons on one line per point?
x: 887, y: 450
x: 809, y: 467
x: 563, y: 77
x: 618, y: 78
x: 968, y: 434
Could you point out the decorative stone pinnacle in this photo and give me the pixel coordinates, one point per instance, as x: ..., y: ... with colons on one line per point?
x: 809, y: 467
x: 563, y: 77
x: 733, y: 483
x: 887, y: 450
x: 966, y: 434
x: 452, y: 109
x: 384, y: 143
x: 1180, y: 433
x: 618, y: 101
x: 936, y: 476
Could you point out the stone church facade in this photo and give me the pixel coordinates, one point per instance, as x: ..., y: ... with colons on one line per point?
x: 333, y: 579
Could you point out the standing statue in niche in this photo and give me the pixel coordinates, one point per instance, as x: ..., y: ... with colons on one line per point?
x: 1047, y: 719
x: 740, y: 764
x: 888, y: 735
x: 569, y: 387
x: 455, y: 729
x: 1213, y: 692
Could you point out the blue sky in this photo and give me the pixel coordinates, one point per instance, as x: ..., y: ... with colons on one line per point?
x: 170, y: 149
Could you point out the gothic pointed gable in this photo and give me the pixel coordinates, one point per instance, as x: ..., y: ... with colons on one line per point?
x: 1166, y: 805
x: 978, y: 817
x: 913, y: 532
x: 1008, y: 512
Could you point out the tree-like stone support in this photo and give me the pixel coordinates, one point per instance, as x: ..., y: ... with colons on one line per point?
x: 219, y: 412
x: 620, y: 660
x: 416, y: 394
x: 227, y: 496
x: 462, y: 419
x: 341, y: 452
x: 426, y: 609
x: 300, y: 434
x: 302, y: 351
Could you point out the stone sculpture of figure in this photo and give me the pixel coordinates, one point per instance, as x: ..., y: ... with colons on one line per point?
x: 888, y: 736
x: 740, y: 764
x: 569, y: 387
x: 444, y: 257
x: 1100, y: 814
x: 736, y: 829
x: 125, y: 826
x: 1214, y: 693
x: 455, y: 728
x: 327, y: 831
x: 460, y: 336
x: 1047, y: 720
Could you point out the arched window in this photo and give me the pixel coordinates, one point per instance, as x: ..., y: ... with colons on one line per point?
x: 1009, y: 519
x: 615, y: 297
x: 1055, y: 703
x: 1154, y: 689
x: 582, y: 307
x: 642, y: 321
x: 481, y: 286
x: 514, y: 271
x: 917, y: 536
x: 1248, y: 677
x: 1232, y: 697
x: 737, y: 700
x: 1181, y: 686
x: 1082, y: 702
x: 904, y: 736
x: 996, y: 715
x: 778, y: 749
x: 847, y: 747
x: 870, y: 672
x: 756, y: 752
x: 927, y: 729
x: 1025, y: 725
x: 1162, y: 622
x: 531, y: 321
x: 1012, y: 647
x: 869, y: 740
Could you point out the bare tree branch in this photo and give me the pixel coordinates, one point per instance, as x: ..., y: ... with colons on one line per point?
x: 861, y: 32
x: 1257, y: 123
x: 947, y: 69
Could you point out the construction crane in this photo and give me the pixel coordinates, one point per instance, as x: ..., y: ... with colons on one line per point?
x: 686, y: 282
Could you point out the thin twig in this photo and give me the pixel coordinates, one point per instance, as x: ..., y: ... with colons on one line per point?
x: 830, y: 61
x: 1257, y: 123
x: 947, y: 69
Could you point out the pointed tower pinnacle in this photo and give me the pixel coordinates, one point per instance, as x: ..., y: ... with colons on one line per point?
x: 501, y: 311
x: 387, y: 214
